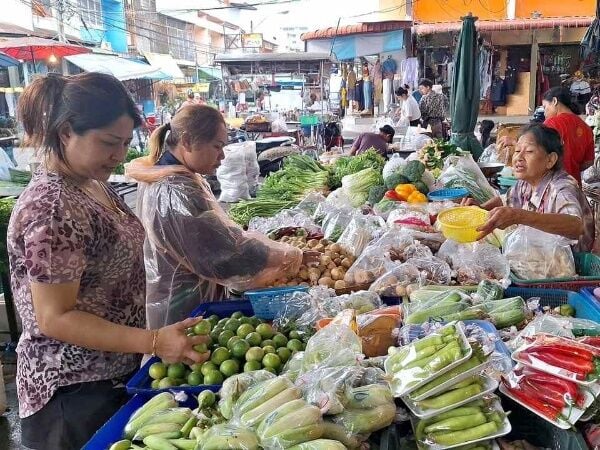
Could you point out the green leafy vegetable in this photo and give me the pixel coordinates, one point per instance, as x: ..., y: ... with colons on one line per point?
x: 132, y: 154
x: 356, y: 186
x: 244, y: 211
x: 348, y: 165
x: 376, y: 193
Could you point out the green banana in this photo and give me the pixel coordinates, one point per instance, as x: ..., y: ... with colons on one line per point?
x: 319, y: 444
x: 255, y: 416
x: 187, y: 427
x: 283, y: 410
x: 339, y: 433
x: 162, y: 401
x: 308, y: 415
x: 121, y: 445
x: 260, y: 393
x: 168, y: 435
x: 366, y: 421
x: 155, y: 428
x: 158, y: 443
x: 184, y: 444
x: 239, y: 439
x: 173, y: 415
x: 369, y: 396
x: 294, y: 436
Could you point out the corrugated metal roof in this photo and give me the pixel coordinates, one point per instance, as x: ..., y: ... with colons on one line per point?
x: 359, y: 28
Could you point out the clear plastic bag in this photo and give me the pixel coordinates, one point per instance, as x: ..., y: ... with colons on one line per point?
x: 376, y: 331
x: 361, y: 302
x: 293, y: 366
x: 361, y: 230
x: 232, y: 175
x: 235, y: 386
x: 534, y: 254
x: 475, y: 262
x: 288, y: 218
x: 252, y: 166
x: 431, y: 240
x: 385, y: 207
x: 433, y: 270
x: 226, y: 436
x: 336, y: 222
x: 411, y: 217
x: 332, y: 346
x: 463, y: 172
x: 398, y: 281
x: 310, y: 203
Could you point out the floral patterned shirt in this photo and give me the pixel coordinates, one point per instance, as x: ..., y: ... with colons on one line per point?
x: 557, y: 193
x: 434, y: 106
x: 58, y: 234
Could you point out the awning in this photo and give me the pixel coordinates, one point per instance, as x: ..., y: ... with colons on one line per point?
x: 121, y: 68
x: 165, y: 63
x: 505, y: 25
x: 350, y: 47
x: 359, y: 28
x: 209, y: 73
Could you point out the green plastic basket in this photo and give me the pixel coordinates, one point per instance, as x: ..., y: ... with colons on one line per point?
x: 587, y: 266
x: 309, y: 120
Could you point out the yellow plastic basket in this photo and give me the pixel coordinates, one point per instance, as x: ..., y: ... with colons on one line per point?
x: 460, y: 224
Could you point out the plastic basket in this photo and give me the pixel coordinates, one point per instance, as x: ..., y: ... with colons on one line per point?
x: 460, y: 224
x: 267, y: 303
x: 140, y: 383
x: 112, y: 431
x: 447, y: 194
x: 587, y: 265
x: 588, y: 294
x: 584, y: 308
x: 309, y: 120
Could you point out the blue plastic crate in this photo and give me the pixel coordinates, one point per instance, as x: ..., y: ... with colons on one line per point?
x: 584, y: 308
x: 141, y: 381
x: 441, y: 195
x: 267, y: 303
x: 112, y: 431
x: 590, y: 298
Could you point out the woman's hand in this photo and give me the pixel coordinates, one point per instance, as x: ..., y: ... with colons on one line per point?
x: 502, y: 217
x: 174, y: 345
x: 469, y: 202
x: 311, y: 258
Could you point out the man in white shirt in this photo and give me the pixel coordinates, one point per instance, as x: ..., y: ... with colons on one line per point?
x: 410, y: 108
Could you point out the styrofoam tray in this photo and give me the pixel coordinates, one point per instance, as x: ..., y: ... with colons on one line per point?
x: 503, y: 431
x: 489, y: 386
x: 451, y: 382
x: 398, y: 391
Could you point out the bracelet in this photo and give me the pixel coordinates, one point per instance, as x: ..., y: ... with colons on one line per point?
x: 154, y: 340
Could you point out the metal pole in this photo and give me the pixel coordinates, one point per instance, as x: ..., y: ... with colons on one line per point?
x: 60, y: 10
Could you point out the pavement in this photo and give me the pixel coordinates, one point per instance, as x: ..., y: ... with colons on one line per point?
x: 10, y: 425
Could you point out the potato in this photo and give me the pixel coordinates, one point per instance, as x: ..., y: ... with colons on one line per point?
x: 339, y: 284
x: 312, y: 243
x: 303, y: 274
x: 336, y: 248
x: 364, y: 277
x: 335, y: 255
x: 401, y: 291
x: 319, y: 248
x: 325, y: 242
x: 331, y: 266
x: 337, y: 274
x: 326, y: 281
x: 326, y: 274
x: 338, y: 261
x: 325, y: 260
x: 314, y: 274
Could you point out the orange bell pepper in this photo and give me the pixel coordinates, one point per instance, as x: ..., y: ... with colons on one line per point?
x: 417, y: 197
x: 403, y: 191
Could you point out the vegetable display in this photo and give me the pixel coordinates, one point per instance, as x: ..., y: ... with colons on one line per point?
x: 357, y: 186
x: 348, y: 165
x: 246, y: 210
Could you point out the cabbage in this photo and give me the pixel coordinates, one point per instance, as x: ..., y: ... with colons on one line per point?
x: 356, y: 186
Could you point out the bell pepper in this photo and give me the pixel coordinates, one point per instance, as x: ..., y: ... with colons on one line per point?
x: 403, y: 191
x: 391, y: 195
x: 417, y: 197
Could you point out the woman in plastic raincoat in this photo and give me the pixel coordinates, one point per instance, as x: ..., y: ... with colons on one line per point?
x: 193, y: 251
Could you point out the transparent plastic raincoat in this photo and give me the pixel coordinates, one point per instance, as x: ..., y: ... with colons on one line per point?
x: 193, y: 252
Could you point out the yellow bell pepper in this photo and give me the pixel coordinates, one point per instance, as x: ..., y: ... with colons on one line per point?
x: 403, y: 191
x: 417, y: 197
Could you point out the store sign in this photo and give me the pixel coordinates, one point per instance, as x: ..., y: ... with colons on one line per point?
x: 201, y: 87
x: 252, y: 40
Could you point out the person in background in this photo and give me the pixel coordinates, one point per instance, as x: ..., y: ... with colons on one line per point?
x: 77, y: 265
x: 433, y: 107
x: 378, y: 141
x: 581, y: 89
x: 416, y: 94
x: 198, y: 100
x: 410, y: 108
x: 193, y: 251
x: 577, y: 136
x: 189, y: 100
x: 485, y: 128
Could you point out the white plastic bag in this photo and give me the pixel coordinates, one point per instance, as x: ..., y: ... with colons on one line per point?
x: 252, y: 166
x: 5, y: 164
x: 392, y: 165
x: 232, y: 174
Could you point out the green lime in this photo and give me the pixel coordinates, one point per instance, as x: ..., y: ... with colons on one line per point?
x: 237, y: 315
x: 224, y: 337
x: 213, y: 377
x: 295, y: 345
x: 240, y: 348
x: 280, y: 340
x: 252, y: 365
x: 232, y: 340
x: 214, y: 334
x: 167, y: 383
x: 267, y: 343
x: 207, y: 367
x: 244, y: 330
x: 255, y: 354
x: 232, y: 325
x: 156, y: 384
x: 265, y: 330
x: 176, y: 371
x: 246, y: 320
x: 229, y: 367
x: 255, y: 321
x: 284, y: 354
x: 254, y: 339
x: 202, y: 328
x: 295, y: 334
x: 221, y: 323
x: 206, y: 399
x: 195, y: 379
x: 269, y: 369
x: 214, y: 320
x: 271, y: 360
x: 219, y: 355
x: 157, y: 371
x: 201, y: 348
x: 196, y: 367
x: 269, y: 349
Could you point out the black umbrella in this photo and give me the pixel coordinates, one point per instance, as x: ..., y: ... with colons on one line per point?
x: 464, y: 96
x: 591, y: 41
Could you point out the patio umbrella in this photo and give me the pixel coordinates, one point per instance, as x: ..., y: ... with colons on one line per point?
x: 36, y: 49
x: 464, y: 96
x: 7, y: 61
x: 590, y: 43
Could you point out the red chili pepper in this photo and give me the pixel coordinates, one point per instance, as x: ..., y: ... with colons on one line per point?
x: 540, y: 407
x: 551, y: 382
x: 549, y: 396
x: 579, y: 366
x: 563, y: 349
x: 591, y: 340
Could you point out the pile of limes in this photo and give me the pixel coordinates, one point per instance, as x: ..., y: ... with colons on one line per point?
x: 238, y: 344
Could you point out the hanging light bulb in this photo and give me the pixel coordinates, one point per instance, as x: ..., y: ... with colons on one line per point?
x: 52, y: 59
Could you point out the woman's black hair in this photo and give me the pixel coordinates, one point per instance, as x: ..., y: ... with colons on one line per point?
x: 547, y: 138
x: 85, y: 102
x: 401, y: 91
x: 486, y: 128
x: 562, y: 95
x: 426, y: 82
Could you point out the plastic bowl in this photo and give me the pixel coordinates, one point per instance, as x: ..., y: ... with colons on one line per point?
x: 447, y: 194
x: 460, y: 224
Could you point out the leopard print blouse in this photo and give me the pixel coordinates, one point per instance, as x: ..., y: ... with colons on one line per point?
x: 58, y: 234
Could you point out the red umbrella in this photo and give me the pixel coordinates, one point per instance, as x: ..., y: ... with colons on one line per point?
x: 34, y: 48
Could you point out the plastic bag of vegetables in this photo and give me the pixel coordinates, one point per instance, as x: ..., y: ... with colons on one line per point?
x: 433, y: 270
x: 463, y: 172
x: 310, y: 203
x: 361, y: 302
x: 236, y: 385
x: 361, y: 230
x: 332, y: 346
x: 336, y: 221
x: 397, y: 282
x: 357, y: 186
x: 474, y: 262
x: 411, y: 217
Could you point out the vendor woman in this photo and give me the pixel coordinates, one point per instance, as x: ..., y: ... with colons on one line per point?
x: 545, y: 197
x: 77, y: 267
x: 193, y: 251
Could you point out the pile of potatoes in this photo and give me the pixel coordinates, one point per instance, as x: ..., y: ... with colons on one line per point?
x: 335, y: 261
